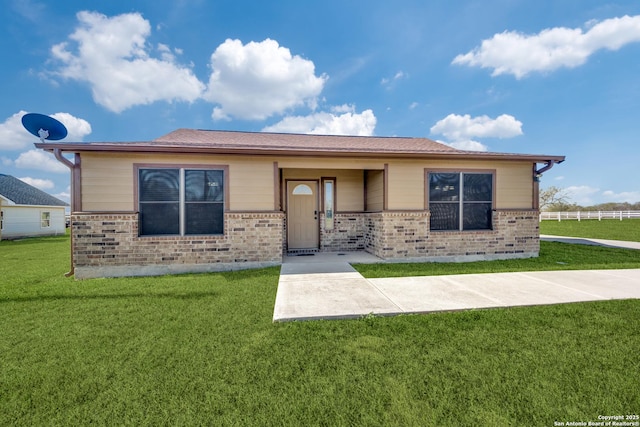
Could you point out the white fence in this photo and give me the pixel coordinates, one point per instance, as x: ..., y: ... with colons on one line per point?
x: 599, y: 215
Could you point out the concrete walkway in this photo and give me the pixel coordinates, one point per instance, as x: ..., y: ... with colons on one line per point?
x: 326, y: 286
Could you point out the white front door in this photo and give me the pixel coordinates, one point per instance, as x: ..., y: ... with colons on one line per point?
x: 302, y: 215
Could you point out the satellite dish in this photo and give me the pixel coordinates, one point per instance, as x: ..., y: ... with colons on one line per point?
x: 44, y: 127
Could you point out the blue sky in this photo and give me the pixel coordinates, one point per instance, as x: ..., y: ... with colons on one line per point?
x: 537, y: 77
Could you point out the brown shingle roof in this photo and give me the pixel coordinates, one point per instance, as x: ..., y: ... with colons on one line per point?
x: 301, y: 142
x: 262, y: 143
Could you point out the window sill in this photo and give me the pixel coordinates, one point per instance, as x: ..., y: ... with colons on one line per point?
x: 179, y: 237
x: 488, y: 230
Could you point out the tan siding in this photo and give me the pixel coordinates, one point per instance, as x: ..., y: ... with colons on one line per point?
x: 350, y: 191
x: 515, y: 186
x: 375, y: 191
x: 329, y: 163
x: 251, y: 185
x: 514, y: 180
x: 108, y: 182
x: 406, y: 186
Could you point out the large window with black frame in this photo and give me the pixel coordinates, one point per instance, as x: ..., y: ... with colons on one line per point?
x: 181, y: 201
x: 460, y: 200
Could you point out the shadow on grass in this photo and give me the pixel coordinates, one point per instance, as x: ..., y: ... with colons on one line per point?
x: 49, y: 240
x: 160, y: 295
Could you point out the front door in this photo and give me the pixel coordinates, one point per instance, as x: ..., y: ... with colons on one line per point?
x: 302, y: 215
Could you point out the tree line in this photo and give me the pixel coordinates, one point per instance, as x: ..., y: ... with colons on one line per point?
x: 554, y: 199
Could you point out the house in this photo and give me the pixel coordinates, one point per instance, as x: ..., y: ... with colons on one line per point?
x: 26, y: 211
x: 200, y: 200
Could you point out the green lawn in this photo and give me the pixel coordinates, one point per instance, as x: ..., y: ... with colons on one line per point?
x: 627, y: 229
x: 202, y: 350
x: 553, y: 256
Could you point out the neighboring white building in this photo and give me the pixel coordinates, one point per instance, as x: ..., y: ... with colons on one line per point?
x: 26, y: 211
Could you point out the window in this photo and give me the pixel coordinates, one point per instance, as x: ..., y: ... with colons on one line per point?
x: 302, y: 190
x: 460, y: 200
x: 181, y: 201
x: 45, y: 219
x: 328, y: 191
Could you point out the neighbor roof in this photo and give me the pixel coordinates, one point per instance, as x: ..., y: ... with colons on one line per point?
x: 257, y: 143
x: 21, y: 193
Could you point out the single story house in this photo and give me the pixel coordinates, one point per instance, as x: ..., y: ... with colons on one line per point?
x: 26, y: 211
x: 201, y: 200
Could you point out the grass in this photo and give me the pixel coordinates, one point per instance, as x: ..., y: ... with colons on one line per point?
x: 627, y: 229
x: 202, y: 350
x: 553, y: 256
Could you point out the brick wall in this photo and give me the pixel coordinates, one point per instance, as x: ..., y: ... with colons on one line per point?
x: 406, y: 236
x: 347, y: 234
x: 515, y: 234
x: 108, y: 245
x: 390, y: 235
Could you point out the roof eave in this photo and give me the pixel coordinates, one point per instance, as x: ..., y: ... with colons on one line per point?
x: 153, y: 148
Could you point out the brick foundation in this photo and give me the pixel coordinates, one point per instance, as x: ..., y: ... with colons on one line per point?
x: 392, y: 235
x: 405, y: 236
x: 108, y: 245
x: 347, y: 233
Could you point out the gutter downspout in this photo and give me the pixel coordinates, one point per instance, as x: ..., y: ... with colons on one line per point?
x: 58, y: 153
x: 537, y: 174
x: 549, y: 164
x: 74, y: 200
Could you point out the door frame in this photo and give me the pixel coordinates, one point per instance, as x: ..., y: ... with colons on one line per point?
x: 316, y: 183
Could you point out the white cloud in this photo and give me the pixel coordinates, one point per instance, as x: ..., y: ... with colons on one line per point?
x: 260, y: 79
x: 77, y: 128
x: 5, y: 161
x: 625, y: 196
x: 65, y: 196
x: 324, y: 123
x: 344, y: 108
x: 112, y: 56
x: 460, y: 130
x: 468, y: 145
x: 13, y: 136
x: 42, y: 184
x: 582, y: 194
x: 40, y: 160
x: 388, y: 82
x: 519, y: 54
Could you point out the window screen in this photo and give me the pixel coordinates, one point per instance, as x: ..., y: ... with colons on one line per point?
x: 460, y: 200
x: 159, y: 201
x: 204, y: 202
x: 181, y: 201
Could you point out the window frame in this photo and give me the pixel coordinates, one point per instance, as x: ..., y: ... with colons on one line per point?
x: 182, y: 168
x: 45, y: 219
x: 329, y: 211
x: 461, y: 200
